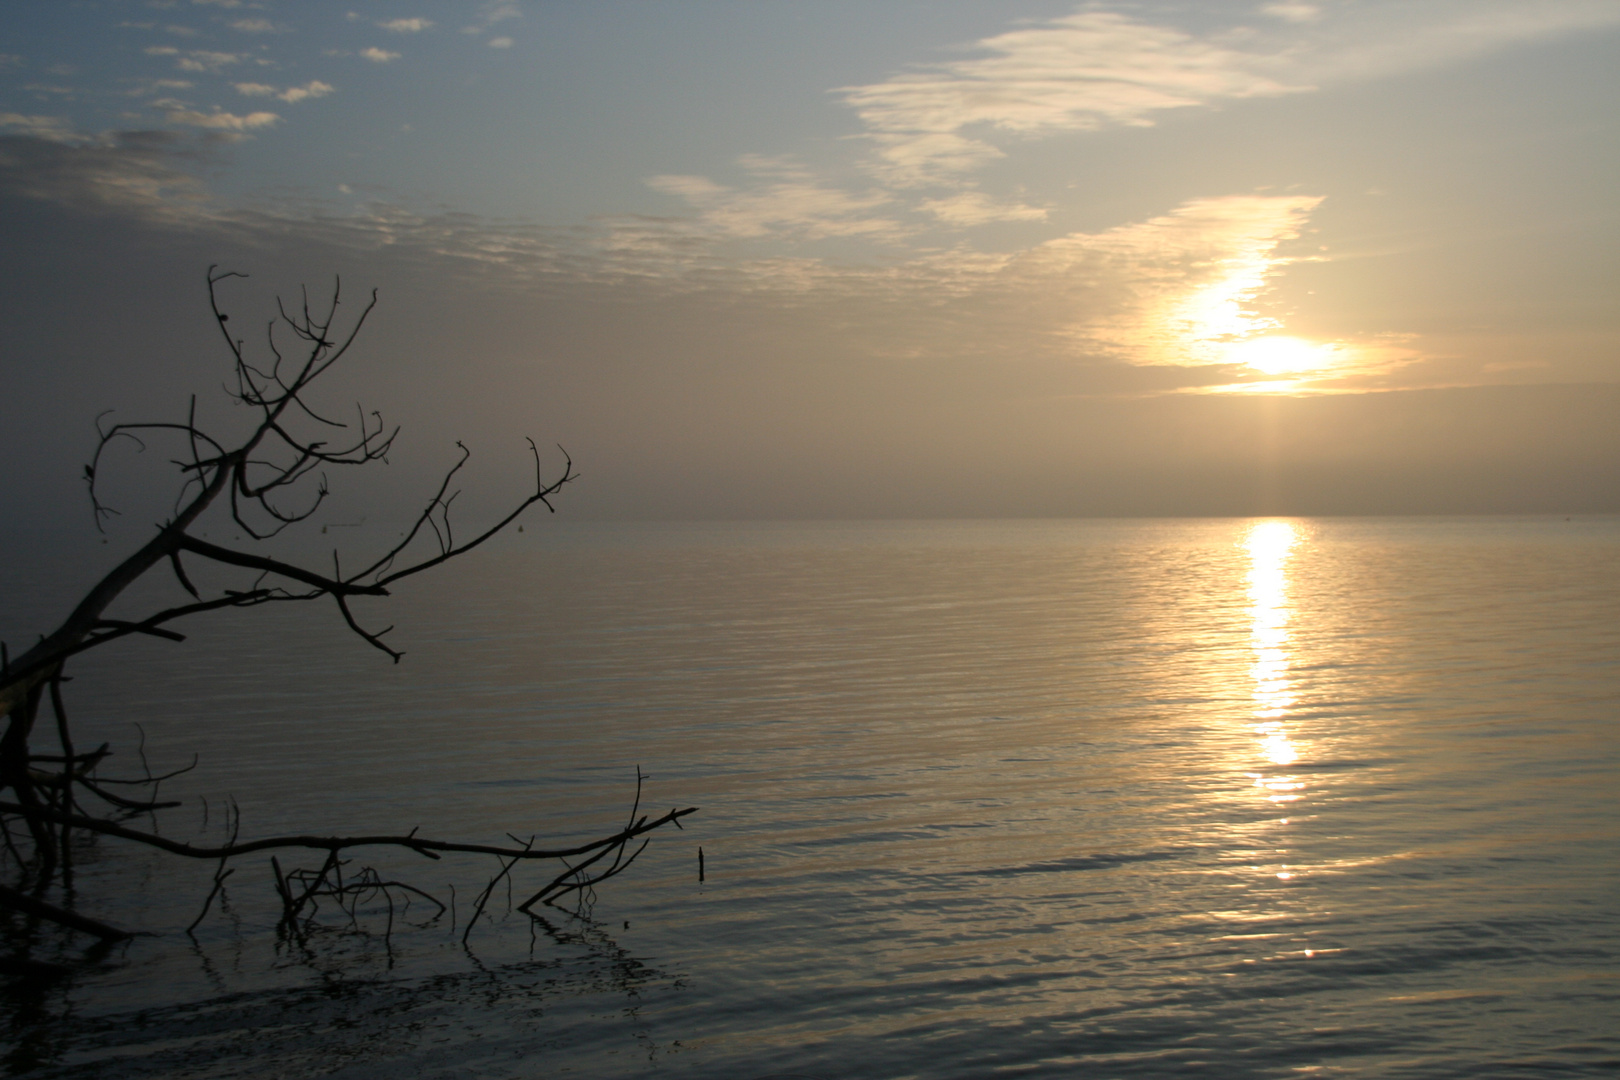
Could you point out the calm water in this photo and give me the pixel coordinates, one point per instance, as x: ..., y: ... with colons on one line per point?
x: 1218, y: 798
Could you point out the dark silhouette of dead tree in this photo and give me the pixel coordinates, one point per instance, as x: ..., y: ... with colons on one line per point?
x: 268, y: 480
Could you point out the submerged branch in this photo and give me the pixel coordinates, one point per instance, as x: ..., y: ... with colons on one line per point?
x: 421, y: 845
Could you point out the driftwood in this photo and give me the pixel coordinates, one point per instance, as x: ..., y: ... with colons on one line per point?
x: 268, y: 480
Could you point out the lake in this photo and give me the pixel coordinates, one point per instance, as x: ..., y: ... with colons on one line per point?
x: 1214, y: 797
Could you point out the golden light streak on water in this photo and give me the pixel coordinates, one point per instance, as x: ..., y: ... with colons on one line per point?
x: 1270, y: 544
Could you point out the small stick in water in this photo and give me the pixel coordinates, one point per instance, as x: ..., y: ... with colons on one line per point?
x: 700, y: 865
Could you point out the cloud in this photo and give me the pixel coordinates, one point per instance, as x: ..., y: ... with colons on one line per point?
x: 931, y: 127
x: 969, y: 208
x: 50, y: 128
x: 1172, y: 293
x: 406, y: 26
x: 312, y: 89
x: 1293, y: 12
x: 292, y: 95
x: 1078, y: 73
x: 1184, y: 282
x: 203, y: 60
x: 254, y: 26
x: 1177, y: 290
x: 500, y: 43
x: 493, y: 12
x: 132, y: 172
x: 221, y: 121
x: 151, y: 178
x: 1169, y: 256
x: 785, y: 203
x: 154, y: 86
x: 378, y: 56
x: 934, y: 123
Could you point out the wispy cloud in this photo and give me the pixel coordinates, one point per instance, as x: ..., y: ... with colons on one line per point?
x: 785, y: 202
x: 51, y: 128
x: 378, y: 56
x: 254, y: 26
x: 1082, y: 72
x: 968, y: 208
x: 1095, y: 69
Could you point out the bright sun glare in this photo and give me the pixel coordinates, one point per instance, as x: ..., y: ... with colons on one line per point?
x: 1278, y: 355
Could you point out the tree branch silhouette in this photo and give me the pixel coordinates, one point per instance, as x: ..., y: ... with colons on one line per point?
x: 271, y: 478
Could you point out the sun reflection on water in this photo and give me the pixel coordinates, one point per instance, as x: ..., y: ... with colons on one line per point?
x: 1270, y: 545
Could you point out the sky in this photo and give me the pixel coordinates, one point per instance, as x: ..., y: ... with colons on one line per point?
x: 876, y: 259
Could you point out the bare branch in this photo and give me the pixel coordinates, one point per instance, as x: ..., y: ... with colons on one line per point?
x: 541, y: 495
x: 276, y: 566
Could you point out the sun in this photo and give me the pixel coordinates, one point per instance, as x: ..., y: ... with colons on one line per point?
x: 1278, y: 355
